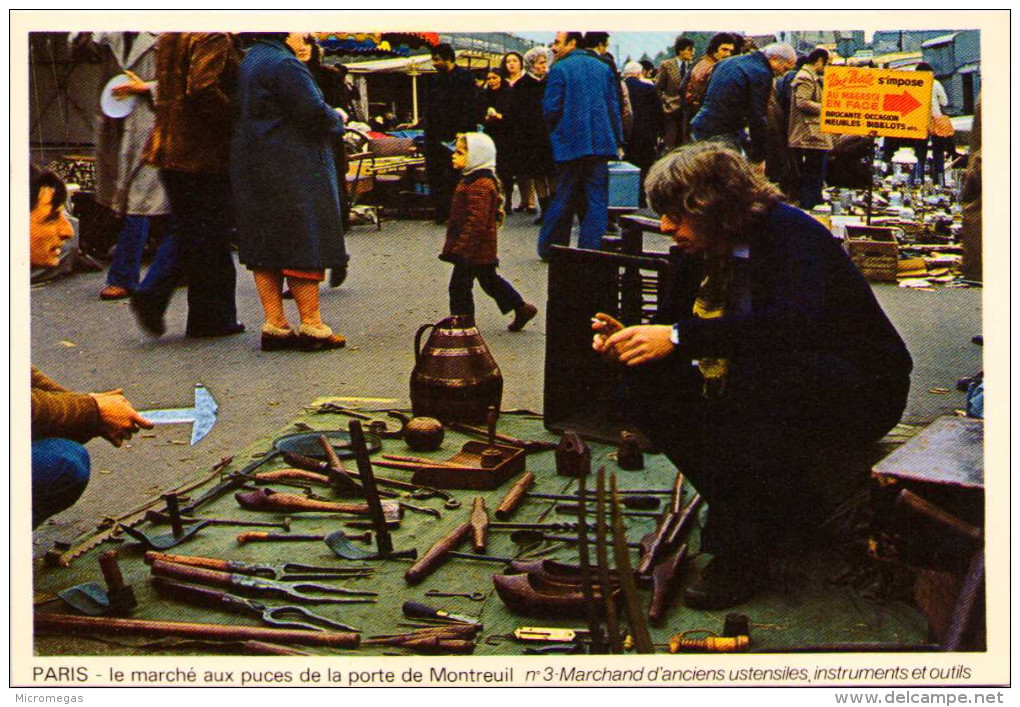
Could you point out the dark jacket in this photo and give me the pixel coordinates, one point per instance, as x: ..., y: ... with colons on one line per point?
x: 582, y: 108
x: 737, y: 98
x: 452, y: 105
x: 807, y: 299
x: 644, y: 133
x: 471, y: 228
x: 498, y: 129
x: 196, y: 73
x: 530, y: 150
x: 282, y: 170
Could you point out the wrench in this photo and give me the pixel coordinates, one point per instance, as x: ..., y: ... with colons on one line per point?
x: 473, y: 596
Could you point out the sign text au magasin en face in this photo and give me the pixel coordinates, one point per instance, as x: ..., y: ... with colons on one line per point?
x: 881, y: 102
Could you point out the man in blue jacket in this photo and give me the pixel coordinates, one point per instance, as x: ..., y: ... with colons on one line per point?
x: 737, y: 100
x: 582, y: 112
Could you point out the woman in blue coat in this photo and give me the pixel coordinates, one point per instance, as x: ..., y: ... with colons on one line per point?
x: 285, y: 189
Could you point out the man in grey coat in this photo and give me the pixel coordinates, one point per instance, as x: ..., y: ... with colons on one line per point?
x: 125, y: 184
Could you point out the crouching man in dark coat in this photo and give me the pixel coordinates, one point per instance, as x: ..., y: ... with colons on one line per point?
x: 776, y: 354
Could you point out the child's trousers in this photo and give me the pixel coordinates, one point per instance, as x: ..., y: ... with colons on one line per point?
x: 462, y: 282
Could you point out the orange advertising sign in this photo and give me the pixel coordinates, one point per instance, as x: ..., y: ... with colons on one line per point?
x: 880, y: 102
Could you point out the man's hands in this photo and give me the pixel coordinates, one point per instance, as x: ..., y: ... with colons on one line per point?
x: 631, y: 346
x: 133, y: 87
x: 120, y: 420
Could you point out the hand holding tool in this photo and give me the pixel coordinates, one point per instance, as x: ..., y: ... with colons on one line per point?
x: 202, y: 416
x: 243, y: 583
x: 271, y: 615
x: 514, y: 496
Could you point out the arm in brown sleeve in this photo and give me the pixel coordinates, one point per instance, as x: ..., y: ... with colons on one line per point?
x: 209, y: 57
x: 59, y: 412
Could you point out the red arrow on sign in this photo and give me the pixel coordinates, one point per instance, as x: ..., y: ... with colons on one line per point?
x: 903, y: 104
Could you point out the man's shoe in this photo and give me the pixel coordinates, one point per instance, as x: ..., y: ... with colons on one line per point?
x: 726, y: 582
x: 522, y: 315
x: 151, y: 321
x: 229, y: 330
x: 113, y: 292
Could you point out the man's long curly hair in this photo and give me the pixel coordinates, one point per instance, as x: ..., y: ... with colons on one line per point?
x: 714, y: 188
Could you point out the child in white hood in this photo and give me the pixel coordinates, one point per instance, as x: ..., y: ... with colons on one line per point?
x: 476, y: 214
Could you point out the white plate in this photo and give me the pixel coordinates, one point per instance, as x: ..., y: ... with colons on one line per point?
x: 112, y: 106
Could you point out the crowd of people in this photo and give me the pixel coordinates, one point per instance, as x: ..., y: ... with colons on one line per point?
x: 775, y: 349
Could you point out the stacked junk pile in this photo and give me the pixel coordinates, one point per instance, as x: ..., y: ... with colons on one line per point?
x: 901, y: 231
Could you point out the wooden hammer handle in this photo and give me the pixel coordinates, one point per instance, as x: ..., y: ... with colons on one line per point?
x: 437, y: 554
x: 186, y: 573
x: 515, y: 496
x: 209, y: 563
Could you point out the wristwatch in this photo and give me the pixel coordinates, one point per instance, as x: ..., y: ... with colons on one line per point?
x: 674, y: 335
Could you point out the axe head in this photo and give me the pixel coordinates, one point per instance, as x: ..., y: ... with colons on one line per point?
x: 205, y: 414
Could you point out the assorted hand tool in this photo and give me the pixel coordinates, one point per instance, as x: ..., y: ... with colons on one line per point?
x: 298, y: 591
x: 270, y: 615
x: 288, y: 572
x: 258, y: 536
x: 473, y: 596
x: 417, y: 491
x: 595, y: 593
x: 635, y: 618
x: 414, y: 610
x: 63, y: 624
x: 184, y: 529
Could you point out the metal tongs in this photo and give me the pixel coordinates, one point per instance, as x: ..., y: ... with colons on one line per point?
x: 270, y: 615
x: 288, y: 572
x: 298, y: 591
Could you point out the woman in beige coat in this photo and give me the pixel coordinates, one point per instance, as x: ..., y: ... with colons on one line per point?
x: 810, y: 146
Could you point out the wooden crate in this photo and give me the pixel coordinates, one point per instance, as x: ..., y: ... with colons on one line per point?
x: 874, y: 251
x: 875, y: 259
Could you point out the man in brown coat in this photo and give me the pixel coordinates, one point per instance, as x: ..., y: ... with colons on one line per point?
x: 190, y: 144
x: 809, y: 144
x: 671, y: 84
x: 61, y: 419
